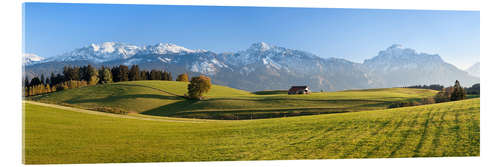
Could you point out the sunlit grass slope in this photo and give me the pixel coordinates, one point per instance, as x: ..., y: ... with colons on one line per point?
x: 445, y: 129
x: 161, y: 98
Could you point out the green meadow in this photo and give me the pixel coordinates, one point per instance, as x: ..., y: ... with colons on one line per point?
x: 163, y: 98
x: 162, y: 126
x: 54, y: 136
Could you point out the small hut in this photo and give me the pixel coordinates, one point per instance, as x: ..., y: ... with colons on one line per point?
x: 299, y: 90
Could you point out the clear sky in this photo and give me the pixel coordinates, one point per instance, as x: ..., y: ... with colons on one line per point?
x: 352, y: 34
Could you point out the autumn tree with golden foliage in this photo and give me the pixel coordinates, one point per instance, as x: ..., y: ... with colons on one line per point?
x: 183, y: 78
x: 199, y: 86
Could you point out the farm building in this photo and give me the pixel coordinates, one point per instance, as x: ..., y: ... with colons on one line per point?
x: 299, y: 90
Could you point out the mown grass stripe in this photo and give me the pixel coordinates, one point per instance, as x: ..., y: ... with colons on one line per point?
x: 362, y: 140
x: 424, y: 134
x: 437, y: 135
x: 388, y: 135
x: 404, y: 136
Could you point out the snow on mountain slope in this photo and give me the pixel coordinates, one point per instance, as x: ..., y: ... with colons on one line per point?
x: 167, y: 48
x: 264, y: 66
x: 99, y: 53
x: 111, y: 51
x: 398, y: 66
x: 397, y: 58
x: 30, y: 58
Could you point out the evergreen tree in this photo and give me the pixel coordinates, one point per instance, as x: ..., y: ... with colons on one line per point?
x: 155, y: 75
x: 52, y: 79
x: 144, y: 75
x: 42, y: 79
x: 35, y: 81
x: 123, y: 73
x: 47, y: 81
x: 71, y: 73
x: 169, y: 74
x: 84, y: 73
x: 115, y: 72
x: 166, y: 76
x: 59, y: 79
x: 26, y: 82
x: 474, y: 89
x: 458, y: 92
x: 134, y: 73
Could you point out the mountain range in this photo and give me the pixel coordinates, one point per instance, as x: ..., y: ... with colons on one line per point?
x: 263, y: 66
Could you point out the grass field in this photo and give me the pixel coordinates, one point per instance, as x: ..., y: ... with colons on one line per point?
x: 161, y: 98
x: 61, y: 136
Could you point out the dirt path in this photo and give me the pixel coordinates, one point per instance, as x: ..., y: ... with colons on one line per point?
x: 148, y: 118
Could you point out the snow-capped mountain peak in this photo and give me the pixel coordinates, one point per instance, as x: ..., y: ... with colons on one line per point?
x: 395, y: 46
x: 30, y: 58
x: 103, y: 52
x: 263, y: 66
x: 109, y: 51
x: 259, y: 47
x: 398, y: 55
x: 165, y: 48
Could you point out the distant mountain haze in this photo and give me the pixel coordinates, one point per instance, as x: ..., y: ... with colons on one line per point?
x: 474, y: 70
x: 264, y: 67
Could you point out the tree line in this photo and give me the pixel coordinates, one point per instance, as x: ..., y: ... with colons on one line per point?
x: 75, y: 77
x: 432, y: 87
x: 474, y: 89
x: 446, y: 94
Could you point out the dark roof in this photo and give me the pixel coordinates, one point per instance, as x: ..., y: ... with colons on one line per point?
x: 296, y: 88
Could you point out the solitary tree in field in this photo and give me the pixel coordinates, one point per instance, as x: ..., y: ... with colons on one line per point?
x: 199, y: 86
x: 183, y: 78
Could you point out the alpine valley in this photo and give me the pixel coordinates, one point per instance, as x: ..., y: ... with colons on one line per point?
x: 263, y: 66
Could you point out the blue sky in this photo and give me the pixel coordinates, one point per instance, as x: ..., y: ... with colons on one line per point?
x: 352, y: 34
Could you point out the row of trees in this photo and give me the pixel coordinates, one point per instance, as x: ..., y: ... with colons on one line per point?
x: 433, y: 87
x: 74, y: 77
x: 46, y: 88
x: 453, y: 93
x: 474, y: 89
x: 446, y: 94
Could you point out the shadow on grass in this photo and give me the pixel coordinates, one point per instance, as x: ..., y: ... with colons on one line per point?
x: 195, y: 109
x: 171, y: 109
x: 271, y: 92
x: 144, y: 86
x: 112, y: 99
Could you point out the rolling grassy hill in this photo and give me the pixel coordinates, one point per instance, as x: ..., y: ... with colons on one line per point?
x: 161, y: 98
x: 60, y: 136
